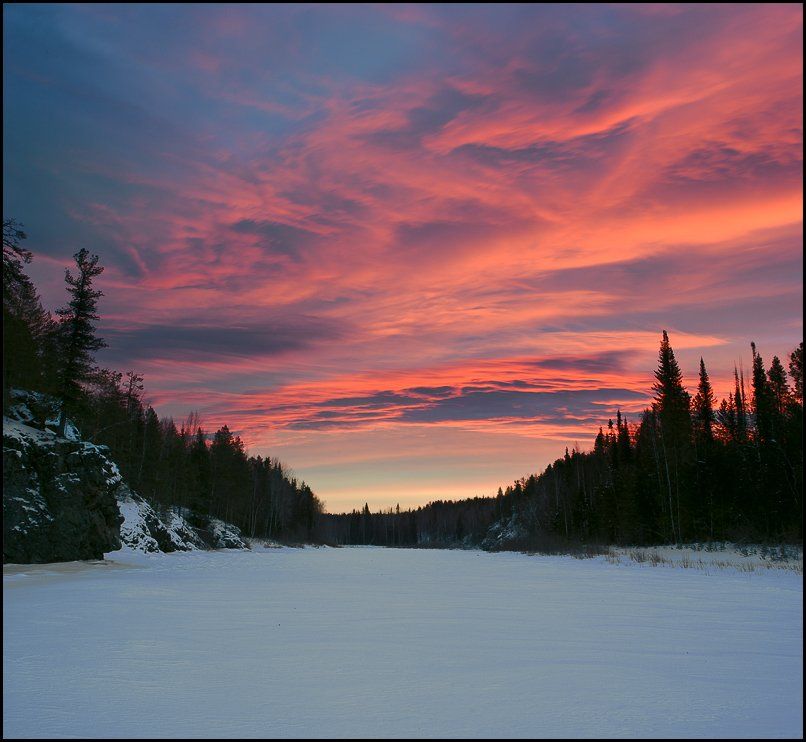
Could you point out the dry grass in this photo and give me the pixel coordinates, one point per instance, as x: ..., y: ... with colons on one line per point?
x: 743, y: 559
x: 708, y: 556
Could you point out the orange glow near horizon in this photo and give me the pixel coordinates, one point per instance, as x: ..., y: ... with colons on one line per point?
x: 415, y: 251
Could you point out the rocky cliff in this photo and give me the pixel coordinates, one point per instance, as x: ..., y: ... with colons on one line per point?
x: 64, y: 499
x: 58, y: 497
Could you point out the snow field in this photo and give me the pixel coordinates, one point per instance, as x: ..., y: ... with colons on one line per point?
x: 368, y: 642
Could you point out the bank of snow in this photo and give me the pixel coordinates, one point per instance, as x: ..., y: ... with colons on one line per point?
x: 367, y: 642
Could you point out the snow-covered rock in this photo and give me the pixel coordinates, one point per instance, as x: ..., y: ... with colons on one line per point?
x: 225, y: 535
x: 64, y: 499
x: 39, y: 411
x: 144, y: 529
x: 504, y: 532
x: 58, y: 496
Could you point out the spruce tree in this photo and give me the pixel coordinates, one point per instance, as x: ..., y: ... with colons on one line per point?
x: 796, y: 372
x: 672, y: 405
x: 366, y: 525
x: 14, y: 256
x: 76, y: 332
x: 702, y: 413
x: 624, y: 451
x: 27, y: 327
x: 741, y: 407
x: 763, y: 404
x: 599, y: 443
x: 779, y: 387
x: 726, y: 417
x: 703, y: 406
x: 200, y: 473
x: 671, y: 398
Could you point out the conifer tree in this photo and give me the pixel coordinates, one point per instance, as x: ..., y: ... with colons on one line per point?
x: 150, y: 448
x: 14, y: 256
x: 726, y: 416
x: 703, y: 406
x: 623, y: 441
x: 599, y: 443
x: 740, y: 404
x: 200, y: 483
x: 366, y: 524
x: 27, y: 327
x: 76, y: 332
x: 796, y: 372
x: 672, y: 404
x: 763, y: 405
x: 671, y: 398
x: 702, y: 413
x: 779, y: 387
x: 611, y: 434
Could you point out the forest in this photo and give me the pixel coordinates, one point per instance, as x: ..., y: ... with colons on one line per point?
x: 207, y: 473
x: 690, y: 469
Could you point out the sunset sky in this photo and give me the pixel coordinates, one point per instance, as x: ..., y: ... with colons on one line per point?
x: 413, y: 251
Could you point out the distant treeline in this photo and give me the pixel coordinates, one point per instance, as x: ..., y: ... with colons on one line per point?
x: 440, y: 523
x: 689, y: 470
x: 172, y: 466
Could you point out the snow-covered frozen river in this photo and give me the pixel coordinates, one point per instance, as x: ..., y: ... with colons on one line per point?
x: 366, y: 642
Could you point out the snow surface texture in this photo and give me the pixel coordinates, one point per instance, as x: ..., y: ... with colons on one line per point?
x: 370, y: 642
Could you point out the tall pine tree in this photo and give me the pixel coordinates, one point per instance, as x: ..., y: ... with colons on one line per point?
x: 796, y: 372
x: 27, y: 327
x: 779, y: 387
x: 763, y: 403
x: 672, y: 406
x: 703, y: 407
x: 76, y: 333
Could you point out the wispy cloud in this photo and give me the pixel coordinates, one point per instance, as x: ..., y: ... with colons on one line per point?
x: 324, y: 223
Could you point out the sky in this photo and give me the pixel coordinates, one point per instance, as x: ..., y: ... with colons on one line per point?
x: 413, y: 251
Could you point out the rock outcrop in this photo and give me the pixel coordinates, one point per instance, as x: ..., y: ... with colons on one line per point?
x: 178, y: 529
x: 58, y: 497
x: 65, y: 500
x: 504, y: 534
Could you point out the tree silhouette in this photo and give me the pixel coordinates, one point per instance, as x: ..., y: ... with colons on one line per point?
x: 14, y: 256
x: 796, y: 372
x: 703, y: 406
x: 76, y: 333
x: 672, y: 406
